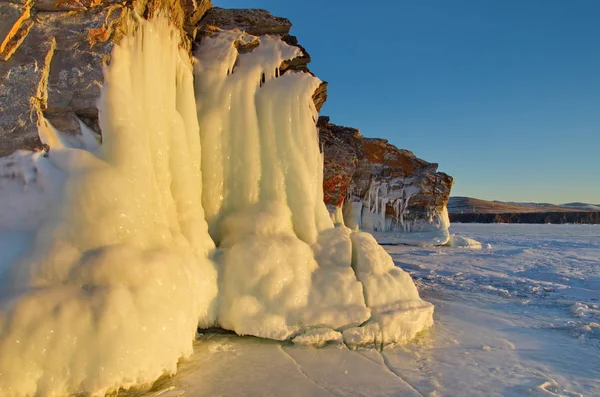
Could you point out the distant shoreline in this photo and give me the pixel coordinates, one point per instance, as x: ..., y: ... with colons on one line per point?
x: 579, y: 217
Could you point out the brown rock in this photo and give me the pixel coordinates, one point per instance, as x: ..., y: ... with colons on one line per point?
x: 53, y: 59
x: 14, y: 19
x: 24, y: 79
x: 71, y: 5
x: 83, y: 43
x: 355, y: 164
x: 252, y: 21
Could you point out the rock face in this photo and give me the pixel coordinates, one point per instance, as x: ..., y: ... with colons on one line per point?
x: 388, y: 181
x: 52, y: 52
x: 52, y: 55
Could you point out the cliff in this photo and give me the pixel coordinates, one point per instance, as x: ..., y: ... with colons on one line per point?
x: 52, y: 55
x: 388, y: 182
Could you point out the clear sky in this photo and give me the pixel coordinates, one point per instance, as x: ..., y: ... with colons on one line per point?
x: 503, y: 94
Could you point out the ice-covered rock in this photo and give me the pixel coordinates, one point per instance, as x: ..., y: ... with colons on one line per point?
x: 51, y: 57
x: 202, y: 206
x: 383, y: 188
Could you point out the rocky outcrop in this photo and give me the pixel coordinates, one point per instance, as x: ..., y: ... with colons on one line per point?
x: 52, y: 52
x: 52, y: 55
x: 384, y: 178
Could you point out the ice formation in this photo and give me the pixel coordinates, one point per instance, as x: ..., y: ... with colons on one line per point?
x: 119, y: 278
x: 203, y: 206
x: 371, y: 213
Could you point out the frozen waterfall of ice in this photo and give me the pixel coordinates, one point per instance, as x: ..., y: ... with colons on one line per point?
x: 203, y: 206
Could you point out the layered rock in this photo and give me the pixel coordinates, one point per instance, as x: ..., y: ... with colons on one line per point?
x: 469, y: 209
x: 394, y: 188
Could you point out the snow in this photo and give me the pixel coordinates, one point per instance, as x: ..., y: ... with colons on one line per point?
x: 29, y: 185
x: 510, y: 320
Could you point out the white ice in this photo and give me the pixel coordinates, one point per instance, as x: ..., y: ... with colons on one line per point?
x: 456, y: 240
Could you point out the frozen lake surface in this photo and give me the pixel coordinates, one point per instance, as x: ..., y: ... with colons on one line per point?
x: 520, y: 317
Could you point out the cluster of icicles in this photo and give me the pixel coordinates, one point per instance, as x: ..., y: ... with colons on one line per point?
x: 202, y: 207
x: 381, y: 194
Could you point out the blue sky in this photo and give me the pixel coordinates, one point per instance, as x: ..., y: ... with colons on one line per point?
x: 503, y: 94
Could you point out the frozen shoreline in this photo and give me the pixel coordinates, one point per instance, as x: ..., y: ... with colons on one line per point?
x: 509, y: 321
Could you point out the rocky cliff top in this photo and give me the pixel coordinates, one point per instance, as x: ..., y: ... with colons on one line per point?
x: 52, y: 54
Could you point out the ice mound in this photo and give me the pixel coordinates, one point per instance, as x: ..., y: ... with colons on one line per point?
x: 266, y: 273
x: 398, y: 313
x: 463, y: 242
x: 202, y: 206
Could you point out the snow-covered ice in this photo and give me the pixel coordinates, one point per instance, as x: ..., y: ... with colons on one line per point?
x: 517, y: 319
